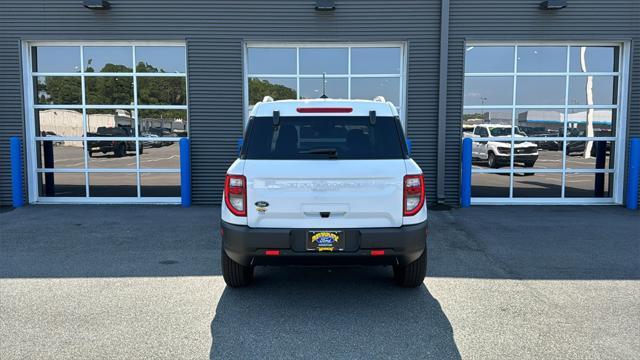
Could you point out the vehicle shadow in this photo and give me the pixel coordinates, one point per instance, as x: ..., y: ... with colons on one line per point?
x: 487, y: 242
x: 111, y: 156
x: 337, y: 313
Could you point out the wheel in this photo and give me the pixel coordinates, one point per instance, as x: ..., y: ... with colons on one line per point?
x: 90, y: 153
x: 412, y: 274
x: 234, y: 274
x: 493, y: 163
x: 529, y: 163
x: 140, y: 150
x: 121, y: 150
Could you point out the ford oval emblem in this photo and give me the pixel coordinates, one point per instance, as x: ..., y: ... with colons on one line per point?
x: 262, y: 204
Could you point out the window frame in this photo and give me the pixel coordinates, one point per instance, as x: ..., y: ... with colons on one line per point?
x: 402, y: 75
x: 615, y: 197
x: 30, y: 107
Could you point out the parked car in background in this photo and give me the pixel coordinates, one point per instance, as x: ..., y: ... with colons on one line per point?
x: 497, y: 153
x: 150, y: 140
x: 119, y: 147
x: 579, y: 147
x: 160, y: 133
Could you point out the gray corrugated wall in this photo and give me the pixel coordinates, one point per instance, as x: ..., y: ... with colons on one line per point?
x: 521, y: 20
x: 11, y: 119
x: 214, y: 31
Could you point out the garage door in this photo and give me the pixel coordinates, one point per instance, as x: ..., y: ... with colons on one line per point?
x: 104, y: 120
x: 547, y: 122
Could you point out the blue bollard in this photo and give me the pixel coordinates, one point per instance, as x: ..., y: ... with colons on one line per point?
x: 465, y: 182
x: 16, y: 171
x: 408, y: 146
x: 185, y: 172
x: 634, y: 175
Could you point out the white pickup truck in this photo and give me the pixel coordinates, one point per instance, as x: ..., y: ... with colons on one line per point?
x: 324, y: 182
x: 496, y: 152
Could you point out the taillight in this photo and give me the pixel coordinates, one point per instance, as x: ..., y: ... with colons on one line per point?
x: 235, y: 194
x: 413, y: 189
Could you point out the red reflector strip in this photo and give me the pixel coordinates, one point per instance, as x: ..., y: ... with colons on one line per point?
x: 325, y: 110
x: 272, y: 252
x: 377, y: 252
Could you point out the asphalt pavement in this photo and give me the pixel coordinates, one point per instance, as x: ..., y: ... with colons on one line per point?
x: 128, y: 282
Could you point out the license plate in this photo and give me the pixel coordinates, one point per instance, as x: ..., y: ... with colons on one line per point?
x: 325, y: 240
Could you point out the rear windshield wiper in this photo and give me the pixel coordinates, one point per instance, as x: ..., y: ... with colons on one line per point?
x: 332, y: 152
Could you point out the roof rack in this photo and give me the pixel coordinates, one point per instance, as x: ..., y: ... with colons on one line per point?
x: 267, y: 99
x: 379, y: 99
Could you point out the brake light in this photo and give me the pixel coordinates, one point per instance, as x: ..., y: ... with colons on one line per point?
x: 235, y: 194
x: 342, y: 110
x: 413, y: 189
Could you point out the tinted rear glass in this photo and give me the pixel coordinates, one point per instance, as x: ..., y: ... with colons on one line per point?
x: 335, y: 137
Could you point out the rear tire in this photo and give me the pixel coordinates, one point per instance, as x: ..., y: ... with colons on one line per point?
x: 235, y: 274
x: 412, y: 274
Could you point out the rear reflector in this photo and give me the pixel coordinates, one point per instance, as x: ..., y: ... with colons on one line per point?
x: 272, y: 252
x: 377, y: 252
x: 341, y: 110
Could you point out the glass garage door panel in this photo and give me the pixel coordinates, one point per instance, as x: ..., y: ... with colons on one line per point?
x: 107, y: 120
x: 62, y: 185
x: 543, y: 120
x: 352, y: 71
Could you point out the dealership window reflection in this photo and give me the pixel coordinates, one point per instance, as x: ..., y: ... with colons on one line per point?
x: 563, y: 109
x: 351, y: 71
x: 102, y: 136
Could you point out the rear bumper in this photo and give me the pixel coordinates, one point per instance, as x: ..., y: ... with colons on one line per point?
x: 247, y: 246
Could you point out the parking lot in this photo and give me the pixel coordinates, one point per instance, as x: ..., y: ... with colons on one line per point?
x: 529, y: 183
x: 155, y: 155
x: 144, y: 282
x: 162, y: 155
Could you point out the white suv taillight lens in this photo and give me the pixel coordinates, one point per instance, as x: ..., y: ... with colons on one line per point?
x: 235, y: 194
x: 413, y: 194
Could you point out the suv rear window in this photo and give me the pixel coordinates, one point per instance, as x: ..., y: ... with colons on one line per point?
x: 320, y: 137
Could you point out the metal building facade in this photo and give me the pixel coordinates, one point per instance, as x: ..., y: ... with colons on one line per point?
x: 215, y: 33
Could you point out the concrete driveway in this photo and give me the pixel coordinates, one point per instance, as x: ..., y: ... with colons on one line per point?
x: 144, y: 282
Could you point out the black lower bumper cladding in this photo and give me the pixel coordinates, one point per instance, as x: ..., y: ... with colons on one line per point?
x: 250, y: 246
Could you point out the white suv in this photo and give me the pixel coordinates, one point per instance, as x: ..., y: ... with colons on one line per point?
x: 497, y: 153
x: 324, y: 182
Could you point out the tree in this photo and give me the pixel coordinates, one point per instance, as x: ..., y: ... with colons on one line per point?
x: 110, y: 89
x: 259, y: 88
x: 59, y: 90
